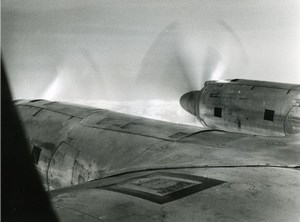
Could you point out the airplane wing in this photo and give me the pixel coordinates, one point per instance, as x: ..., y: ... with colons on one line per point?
x: 107, y: 166
x: 198, y: 194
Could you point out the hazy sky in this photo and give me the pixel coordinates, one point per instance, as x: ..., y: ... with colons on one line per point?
x: 128, y: 50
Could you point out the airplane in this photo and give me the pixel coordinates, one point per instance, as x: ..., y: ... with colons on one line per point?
x: 243, y: 165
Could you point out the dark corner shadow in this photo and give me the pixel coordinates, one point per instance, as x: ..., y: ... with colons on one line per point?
x: 23, y: 197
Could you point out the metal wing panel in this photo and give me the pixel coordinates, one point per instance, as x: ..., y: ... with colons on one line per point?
x: 78, y: 111
x: 213, y: 148
x: 69, y: 109
x: 139, y: 126
x: 111, y: 143
x: 108, y: 149
x: 62, y: 165
x: 245, y: 194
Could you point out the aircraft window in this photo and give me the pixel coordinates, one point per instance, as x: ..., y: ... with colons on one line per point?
x: 218, y: 112
x: 36, y: 152
x: 269, y: 114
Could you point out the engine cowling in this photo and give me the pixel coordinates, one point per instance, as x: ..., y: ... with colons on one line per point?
x: 246, y: 106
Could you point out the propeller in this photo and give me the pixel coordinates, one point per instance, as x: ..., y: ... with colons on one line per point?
x: 170, y: 69
x: 164, y: 71
x: 77, y: 78
x: 173, y: 66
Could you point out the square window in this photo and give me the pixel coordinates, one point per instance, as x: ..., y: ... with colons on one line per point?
x: 218, y: 112
x: 269, y: 115
x: 36, y: 152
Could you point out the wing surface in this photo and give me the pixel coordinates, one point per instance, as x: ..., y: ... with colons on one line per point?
x: 135, y: 169
x: 199, y: 194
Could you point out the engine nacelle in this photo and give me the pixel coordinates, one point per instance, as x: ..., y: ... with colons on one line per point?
x: 246, y: 106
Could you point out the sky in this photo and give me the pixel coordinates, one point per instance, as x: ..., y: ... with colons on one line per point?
x: 139, y: 56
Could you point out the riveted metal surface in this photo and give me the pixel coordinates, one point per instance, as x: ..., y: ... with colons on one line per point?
x: 256, y: 83
x: 140, y: 126
x: 292, y: 122
x: 163, y: 187
x: 244, y: 104
x: 69, y: 109
x: 249, y: 194
x: 46, y: 130
x: 60, y: 172
x: 108, y: 151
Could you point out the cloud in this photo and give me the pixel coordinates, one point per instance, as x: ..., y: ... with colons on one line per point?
x: 169, y: 111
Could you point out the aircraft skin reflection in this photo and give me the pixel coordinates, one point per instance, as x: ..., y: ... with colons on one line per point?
x: 115, y: 158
